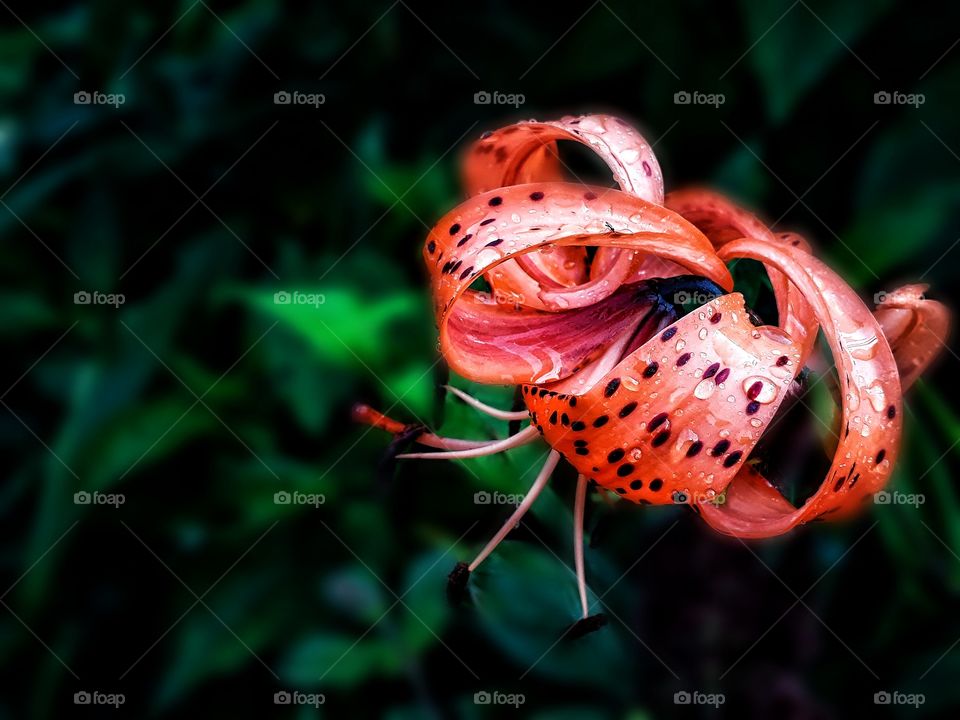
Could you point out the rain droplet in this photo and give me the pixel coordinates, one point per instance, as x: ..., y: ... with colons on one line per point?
x: 704, y: 389
x: 702, y: 334
x: 681, y: 344
x: 876, y: 396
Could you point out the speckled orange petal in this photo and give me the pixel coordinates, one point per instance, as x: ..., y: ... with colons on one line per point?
x: 508, y: 156
x: 473, y: 239
x: 677, y: 417
x: 722, y: 221
x: 870, y: 413
x: 526, y: 153
x: 915, y: 327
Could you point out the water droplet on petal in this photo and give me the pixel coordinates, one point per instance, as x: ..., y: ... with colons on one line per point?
x: 704, y: 389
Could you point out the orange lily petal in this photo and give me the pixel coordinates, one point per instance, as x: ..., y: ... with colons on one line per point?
x: 478, y: 236
x: 915, y: 327
x: 722, y: 221
x: 870, y: 390
x: 675, y: 419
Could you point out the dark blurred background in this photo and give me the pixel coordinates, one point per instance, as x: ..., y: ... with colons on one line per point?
x: 178, y: 579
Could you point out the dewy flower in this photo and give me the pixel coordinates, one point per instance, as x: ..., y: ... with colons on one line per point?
x: 583, y: 312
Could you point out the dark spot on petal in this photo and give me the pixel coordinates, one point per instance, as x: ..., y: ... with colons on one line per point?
x: 627, y: 409
x: 487, y: 221
x: 647, y: 169
x: 656, y: 421
x: 722, y: 375
x: 839, y: 483
x: 616, y: 455
x: 661, y: 438
x: 573, y: 402
x: 651, y: 370
x: 752, y: 407
x: 732, y: 459
x: 622, y: 491
x: 668, y: 333
x: 716, y: 318
x: 600, y: 421
x: 494, y: 243
x: 624, y: 469
x: 455, y: 228
x: 754, y: 390
x: 636, y: 484
x: 536, y: 196
x: 466, y: 272
x: 720, y: 448
x: 579, y: 443
x: 694, y: 449
x: 711, y: 371
x: 782, y: 360
x: 564, y: 420
x: 589, y: 196
x: 891, y: 412
x: 493, y: 202
x: 553, y: 418
x: 464, y: 239
x: 431, y: 247
x: 683, y: 359
x: 577, y: 425
x: 880, y: 456
x: 611, y: 387
x: 656, y: 484
x: 581, y: 451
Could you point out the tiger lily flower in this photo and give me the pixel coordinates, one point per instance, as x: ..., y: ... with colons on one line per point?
x: 583, y: 311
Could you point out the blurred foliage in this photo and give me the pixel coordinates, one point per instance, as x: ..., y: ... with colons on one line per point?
x: 200, y: 397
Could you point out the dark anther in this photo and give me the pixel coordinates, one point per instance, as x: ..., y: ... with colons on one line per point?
x: 457, y: 583
x: 585, y: 626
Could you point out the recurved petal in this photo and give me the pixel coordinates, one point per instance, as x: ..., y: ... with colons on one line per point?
x: 677, y: 417
x: 915, y: 327
x: 722, y: 221
x: 870, y: 422
x: 476, y: 238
